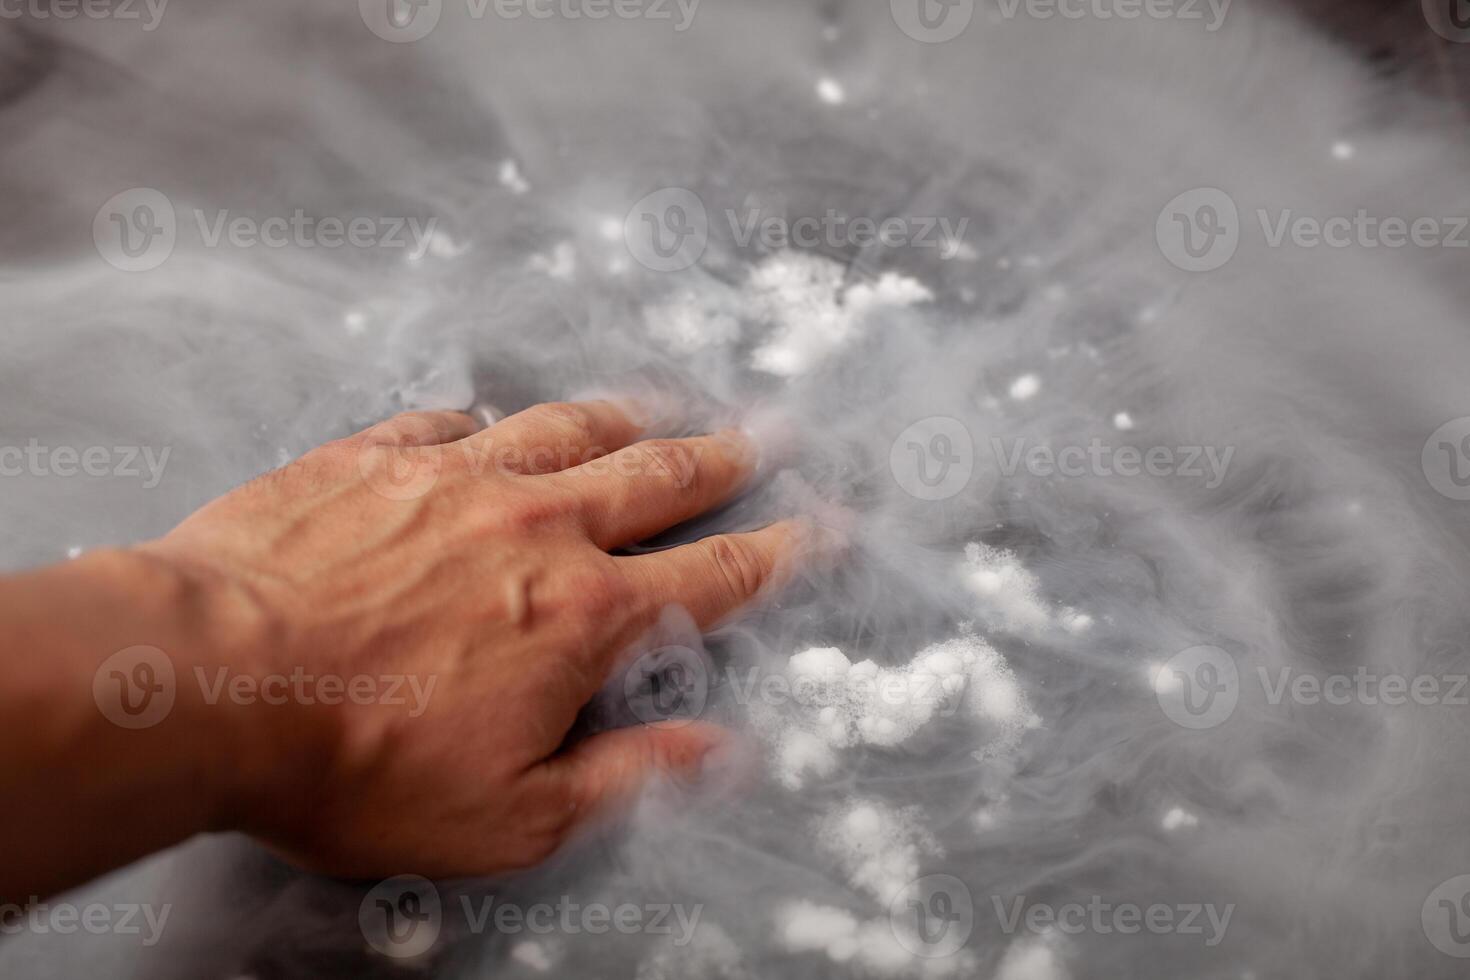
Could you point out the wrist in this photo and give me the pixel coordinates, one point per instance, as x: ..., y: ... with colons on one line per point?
x: 255, y: 752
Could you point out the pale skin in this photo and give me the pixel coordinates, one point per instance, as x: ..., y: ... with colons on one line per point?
x: 426, y: 547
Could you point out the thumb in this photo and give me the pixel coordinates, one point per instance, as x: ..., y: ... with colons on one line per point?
x: 606, y: 771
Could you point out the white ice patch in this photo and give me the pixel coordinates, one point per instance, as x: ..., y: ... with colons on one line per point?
x: 830, y: 91
x: 879, y: 849
x: 531, y: 953
x: 1024, y: 387
x: 561, y: 263
x: 798, y: 296
x: 711, y: 953
x: 510, y: 177
x: 1031, y: 959
x: 811, y: 313
x: 868, y: 947
x: 1179, y: 817
x: 840, y: 704
x: 1006, y: 589
x: 687, y: 321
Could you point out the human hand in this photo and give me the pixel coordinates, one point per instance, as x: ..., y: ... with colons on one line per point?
x: 476, y: 561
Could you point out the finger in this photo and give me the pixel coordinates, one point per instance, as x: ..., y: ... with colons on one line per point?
x: 651, y: 486
x: 422, y: 429
x: 606, y: 771
x: 551, y: 437
x: 714, y: 577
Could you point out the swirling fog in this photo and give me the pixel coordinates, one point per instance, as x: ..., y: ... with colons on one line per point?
x: 902, y: 392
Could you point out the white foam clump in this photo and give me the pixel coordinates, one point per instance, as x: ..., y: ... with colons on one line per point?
x: 531, y: 953
x: 688, y: 321
x: 1006, y: 586
x: 868, y: 946
x: 812, y: 314
x: 510, y: 177
x: 830, y: 91
x: 879, y: 848
x: 711, y: 953
x: 1024, y: 387
x: 1031, y: 959
x: 1011, y: 593
x: 845, y: 704
x: 1179, y: 817
x: 561, y: 263
x: 800, y: 296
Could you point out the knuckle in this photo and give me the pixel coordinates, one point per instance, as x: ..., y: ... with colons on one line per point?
x: 739, y: 566
x: 672, y: 461
x: 570, y: 420
x: 531, y: 511
x: 597, y: 591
